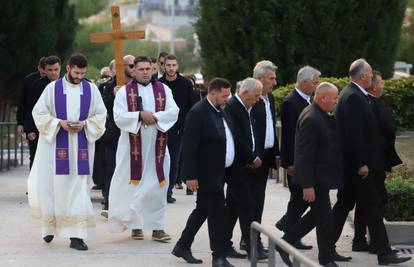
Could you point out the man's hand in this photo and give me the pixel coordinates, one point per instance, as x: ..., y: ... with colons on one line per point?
x: 116, y: 89
x: 20, y: 130
x: 192, y: 184
x: 72, y: 127
x: 363, y: 171
x: 31, y: 136
x: 257, y: 162
x: 147, y: 118
x: 290, y: 170
x: 309, y: 194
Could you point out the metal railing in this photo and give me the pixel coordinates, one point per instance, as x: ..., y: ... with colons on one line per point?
x: 10, y: 146
x: 298, y: 257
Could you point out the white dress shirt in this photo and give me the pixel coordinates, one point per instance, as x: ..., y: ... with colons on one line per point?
x: 270, y: 131
x: 229, y: 141
x: 250, y: 121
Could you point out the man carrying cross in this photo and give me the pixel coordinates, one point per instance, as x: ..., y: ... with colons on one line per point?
x: 70, y: 116
x: 144, y: 110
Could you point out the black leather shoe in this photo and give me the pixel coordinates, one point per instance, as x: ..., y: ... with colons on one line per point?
x: 285, y: 256
x: 189, y: 192
x: 221, y: 262
x: 185, y: 254
x: 171, y: 200
x: 330, y: 264
x: 281, y: 224
x: 392, y: 258
x: 262, y: 248
x: 233, y: 254
x: 360, y: 247
x: 372, y: 250
x: 48, y: 238
x: 299, y: 245
x: 337, y: 257
x: 77, y: 243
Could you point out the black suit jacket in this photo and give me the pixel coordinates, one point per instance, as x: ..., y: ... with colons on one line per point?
x: 23, y: 107
x: 292, y: 106
x: 112, y: 131
x: 259, y: 114
x: 239, y: 116
x: 34, y: 94
x: 387, y: 128
x: 318, y: 150
x: 204, y: 147
x: 363, y: 143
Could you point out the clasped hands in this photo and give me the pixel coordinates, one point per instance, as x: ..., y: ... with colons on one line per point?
x: 72, y: 126
x: 147, y: 118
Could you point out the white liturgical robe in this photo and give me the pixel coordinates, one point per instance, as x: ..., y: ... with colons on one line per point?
x: 62, y: 202
x: 142, y: 205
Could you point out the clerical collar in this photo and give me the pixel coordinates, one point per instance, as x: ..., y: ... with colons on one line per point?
x: 360, y: 88
x: 239, y: 99
x: 303, y: 95
x: 213, y: 105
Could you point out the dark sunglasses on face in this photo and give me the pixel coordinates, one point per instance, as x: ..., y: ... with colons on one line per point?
x: 131, y: 65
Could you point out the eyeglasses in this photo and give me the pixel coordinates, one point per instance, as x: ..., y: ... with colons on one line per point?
x: 161, y: 63
x: 130, y: 65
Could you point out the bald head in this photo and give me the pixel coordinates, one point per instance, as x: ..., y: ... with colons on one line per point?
x: 129, y: 67
x: 326, y: 96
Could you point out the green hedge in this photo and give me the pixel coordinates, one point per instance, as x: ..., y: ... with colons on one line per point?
x: 400, y: 186
x: 398, y: 93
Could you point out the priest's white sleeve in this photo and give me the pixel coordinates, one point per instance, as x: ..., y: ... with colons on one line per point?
x: 44, y: 114
x: 125, y: 120
x: 95, y: 123
x: 168, y: 117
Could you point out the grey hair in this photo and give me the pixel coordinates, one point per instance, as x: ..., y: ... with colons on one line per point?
x: 306, y: 74
x: 357, y: 68
x: 250, y: 84
x: 261, y: 68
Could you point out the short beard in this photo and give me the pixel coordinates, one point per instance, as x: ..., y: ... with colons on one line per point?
x: 73, y: 80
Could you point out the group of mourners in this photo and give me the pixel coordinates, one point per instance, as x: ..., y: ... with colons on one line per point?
x: 157, y: 130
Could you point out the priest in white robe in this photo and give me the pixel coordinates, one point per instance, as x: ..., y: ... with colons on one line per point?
x: 144, y: 110
x: 70, y: 116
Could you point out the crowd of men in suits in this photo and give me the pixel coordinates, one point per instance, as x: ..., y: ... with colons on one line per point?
x: 224, y: 145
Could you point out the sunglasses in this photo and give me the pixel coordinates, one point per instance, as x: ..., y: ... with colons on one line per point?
x: 130, y: 65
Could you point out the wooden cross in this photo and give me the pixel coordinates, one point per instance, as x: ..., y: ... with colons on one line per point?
x: 160, y: 99
x: 116, y: 36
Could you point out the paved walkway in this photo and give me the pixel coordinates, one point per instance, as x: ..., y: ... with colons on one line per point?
x: 21, y: 243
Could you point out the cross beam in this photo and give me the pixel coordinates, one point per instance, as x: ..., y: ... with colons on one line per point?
x: 117, y: 36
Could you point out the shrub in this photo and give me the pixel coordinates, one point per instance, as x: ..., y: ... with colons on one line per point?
x: 398, y: 94
x: 400, y: 186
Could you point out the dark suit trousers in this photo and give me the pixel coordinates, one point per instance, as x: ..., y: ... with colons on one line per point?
x: 240, y: 204
x: 320, y: 214
x: 110, y: 159
x: 32, y: 150
x: 363, y: 192
x: 360, y: 224
x: 98, y: 176
x: 296, y: 206
x: 210, y: 206
x: 174, y: 148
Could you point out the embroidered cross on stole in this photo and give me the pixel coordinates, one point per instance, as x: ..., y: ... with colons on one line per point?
x: 135, y: 104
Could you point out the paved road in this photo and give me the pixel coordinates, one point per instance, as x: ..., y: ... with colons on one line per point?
x: 21, y: 243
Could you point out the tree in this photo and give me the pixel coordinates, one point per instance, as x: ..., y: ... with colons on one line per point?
x: 328, y: 34
x: 30, y: 30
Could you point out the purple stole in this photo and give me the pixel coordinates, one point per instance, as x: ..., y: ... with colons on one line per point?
x: 135, y: 104
x: 62, y: 138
